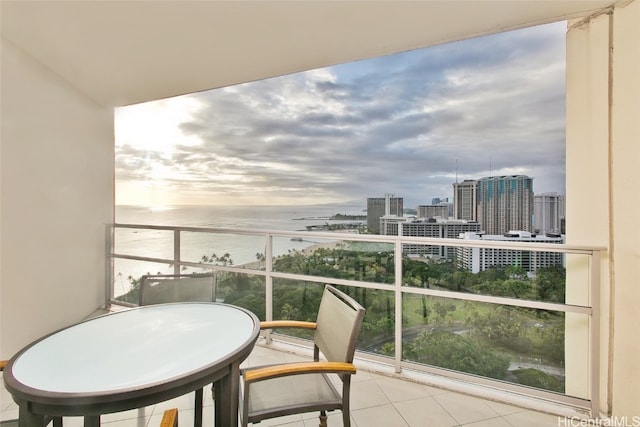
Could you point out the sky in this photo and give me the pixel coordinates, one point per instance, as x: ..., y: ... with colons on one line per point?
x: 409, y: 124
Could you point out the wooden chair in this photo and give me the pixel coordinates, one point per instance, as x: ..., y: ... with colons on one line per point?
x: 158, y: 289
x: 276, y: 390
x: 169, y: 418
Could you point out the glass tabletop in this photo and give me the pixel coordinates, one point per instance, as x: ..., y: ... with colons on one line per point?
x: 135, y: 348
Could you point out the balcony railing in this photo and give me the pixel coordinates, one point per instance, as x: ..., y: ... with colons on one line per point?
x: 525, y: 331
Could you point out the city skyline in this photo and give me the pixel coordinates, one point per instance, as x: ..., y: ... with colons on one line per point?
x: 411, y: 124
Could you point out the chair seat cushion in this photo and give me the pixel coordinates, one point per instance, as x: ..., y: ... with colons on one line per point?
x: 282, y: 395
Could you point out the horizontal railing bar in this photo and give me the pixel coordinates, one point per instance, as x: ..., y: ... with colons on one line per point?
x: 495, y: 244
x: 142, y: 258
x: 539, y: 305
x: 333, y: 280
x: 216, y: 267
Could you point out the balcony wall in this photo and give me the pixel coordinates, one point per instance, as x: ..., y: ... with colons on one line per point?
x: 603, y: 93
x: 57, y: 194
x: 625, y: 156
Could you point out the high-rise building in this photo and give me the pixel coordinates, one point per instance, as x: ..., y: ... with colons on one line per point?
x: 548, y: 212
x: 439, y: 200
x: 505, y: 203
x: 377, y: 207
x: 433, y: 211
x: 465, y: 200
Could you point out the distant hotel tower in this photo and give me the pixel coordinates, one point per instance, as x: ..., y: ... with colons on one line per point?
x: 377, y: 207
x: 464, y: 200
x: 505, y: 203
x: 433, y: 211
x: 548, y: 212
x: 440, y: 207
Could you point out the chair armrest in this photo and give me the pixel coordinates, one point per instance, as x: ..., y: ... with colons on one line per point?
x: 273, y: 324
x: 272, y: 371
x: 169, y: 418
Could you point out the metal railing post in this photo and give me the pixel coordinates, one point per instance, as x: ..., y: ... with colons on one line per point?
x: 176, y: 251
x: 398, y: 306
x: 268, y: 283
x: 109, y: 291
x: 595, y: 334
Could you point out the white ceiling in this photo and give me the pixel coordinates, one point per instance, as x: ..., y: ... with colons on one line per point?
x: 124, y: 52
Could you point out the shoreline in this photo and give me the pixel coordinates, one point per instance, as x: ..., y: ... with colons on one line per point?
x: 258, y: 265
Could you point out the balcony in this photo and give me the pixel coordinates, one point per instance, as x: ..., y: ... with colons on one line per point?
x: 57, y: 133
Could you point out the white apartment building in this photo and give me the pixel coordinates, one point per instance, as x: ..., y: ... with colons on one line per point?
x: 480, y: 259
x: 437, y: 228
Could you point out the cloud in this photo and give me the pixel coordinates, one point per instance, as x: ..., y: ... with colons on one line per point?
x: 401, y: 123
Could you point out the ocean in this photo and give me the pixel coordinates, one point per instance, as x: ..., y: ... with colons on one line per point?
x: 255, y: 217
x: 242, y: 249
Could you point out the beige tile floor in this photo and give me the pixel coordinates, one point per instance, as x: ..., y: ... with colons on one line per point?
x: 376, y: 401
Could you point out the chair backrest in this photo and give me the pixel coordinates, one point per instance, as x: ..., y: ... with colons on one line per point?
x: 338, y: 325
x: 158, y: 289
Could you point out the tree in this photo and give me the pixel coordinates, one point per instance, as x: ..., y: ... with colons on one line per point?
x: 425, y: 311
x: 442, y: 309
x: 550, y: 283
x: 288, y: 312
x: 551, y: 346
x: 536, y: 378
x: 451, y: 351
x: 516, y: 288
x: 215, y: 259
x: 501, y: 323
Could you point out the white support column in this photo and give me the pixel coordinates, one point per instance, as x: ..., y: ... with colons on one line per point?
x: 603, y: 207
x: 587, y: 175
x: 625, y: 211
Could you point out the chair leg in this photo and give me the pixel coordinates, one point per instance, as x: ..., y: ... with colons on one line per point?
x: 198, y: 403
x: 323, y: 419
x: 346, y: 418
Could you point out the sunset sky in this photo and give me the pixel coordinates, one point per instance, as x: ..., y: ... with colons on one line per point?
x: 397, y: 124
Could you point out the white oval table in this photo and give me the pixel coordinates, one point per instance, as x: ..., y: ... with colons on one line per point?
x: 134, y: 358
